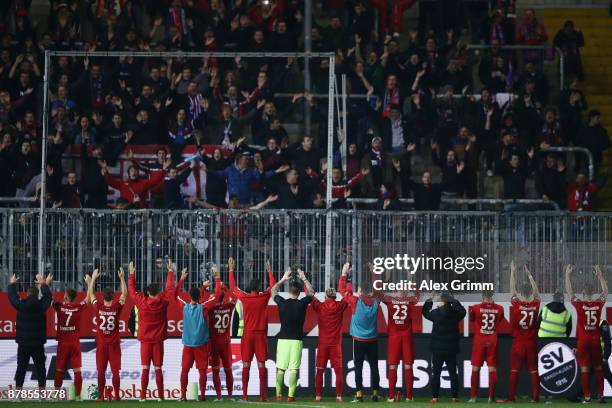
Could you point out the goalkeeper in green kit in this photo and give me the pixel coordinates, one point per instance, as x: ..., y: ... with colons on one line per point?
x: 292, y: 312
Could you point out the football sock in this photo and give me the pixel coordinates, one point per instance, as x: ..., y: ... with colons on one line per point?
x: 144, y: 383
x: 202, y: 382
x: 408, y: 381
x: 319, y: 381
x: 229, y: 380
x: 293, y: 379
x: 217, y: 381
x: 280, y: 378
x: 392, y: 382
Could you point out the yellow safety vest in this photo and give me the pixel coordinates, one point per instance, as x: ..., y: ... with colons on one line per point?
x: 240, y: 319
x: 601, y: 340
x: 553, y: 324
x: 135, y: 321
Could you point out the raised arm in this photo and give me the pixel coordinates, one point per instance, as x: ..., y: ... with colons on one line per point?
x: 47, y: 298
x: 136, y: 163
x: 568, y: 281
x: 216, y: 275
x: 121, y: 275
x: 534, y: 285
x: 236, y: 291
x: 91, y: 282
x: 513, y: 291
x: 110, y: 180
x: 343, y: 288
x: 426, y: 310
x: 12, y: 292
x: 154, y: 178
x: 134, y: 294
x: 602, y: 281
x: 178, y: 290
x: 308, y: 289
x: 169, y: 290
x: 271, y: 278
x: 277, y: 285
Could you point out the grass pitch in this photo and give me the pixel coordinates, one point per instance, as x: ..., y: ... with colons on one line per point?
x: 303, y: 402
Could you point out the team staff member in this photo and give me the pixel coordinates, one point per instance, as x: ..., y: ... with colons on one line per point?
x: 31, y: 327
x: 292, y: 313
x: 555, y: 320
x: 364, y: 319
x: 444, y: 341
x: 604, y: 329
x: 195, y: 337
x: 588, y: 344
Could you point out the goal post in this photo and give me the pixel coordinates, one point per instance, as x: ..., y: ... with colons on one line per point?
x: 187, y: 55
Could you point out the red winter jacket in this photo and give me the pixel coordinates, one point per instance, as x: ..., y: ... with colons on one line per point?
x: 130, y: 188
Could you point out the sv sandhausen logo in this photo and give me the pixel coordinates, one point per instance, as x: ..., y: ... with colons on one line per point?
x: 557, y: 367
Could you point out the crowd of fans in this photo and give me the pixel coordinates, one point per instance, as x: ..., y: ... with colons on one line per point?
x: 419, y: 104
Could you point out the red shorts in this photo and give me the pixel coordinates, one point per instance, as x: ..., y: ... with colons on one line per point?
x: 254, y: 343
x: 199, y: 354
x: 524, y: 352
x: 588, y: 351
x: 221, y: 352
x: 399, y: 347
x: 484, y: 350
x: 329, y: 352
x: 68, y: 352
x: 152, y: 351
x: 108, y: 353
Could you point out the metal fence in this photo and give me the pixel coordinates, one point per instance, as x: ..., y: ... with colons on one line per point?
x: 77, y: 241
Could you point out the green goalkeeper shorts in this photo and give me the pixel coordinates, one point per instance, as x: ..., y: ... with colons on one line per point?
x: 288, y: 354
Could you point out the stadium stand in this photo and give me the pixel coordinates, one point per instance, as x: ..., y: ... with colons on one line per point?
x: 460, y: 105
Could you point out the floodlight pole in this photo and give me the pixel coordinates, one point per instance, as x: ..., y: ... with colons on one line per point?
x: 330, y: 159
x: 43, y: 170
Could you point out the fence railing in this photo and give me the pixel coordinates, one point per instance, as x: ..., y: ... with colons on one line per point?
x: 77, y: 241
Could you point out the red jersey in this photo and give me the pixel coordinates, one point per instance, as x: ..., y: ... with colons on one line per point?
x: 589, y: 315
x: 330, y: 314
x: 108, y: 320
x: 524, y: 319
x: 254, y: 305
x: 220, y: 321
x: 486, y: 316
x: 68, y: 320
x: 399, y: 311
x: 152, y: 312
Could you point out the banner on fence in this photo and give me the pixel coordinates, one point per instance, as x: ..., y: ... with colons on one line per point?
x: 557, y: 366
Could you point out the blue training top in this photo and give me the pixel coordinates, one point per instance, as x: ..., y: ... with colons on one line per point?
x: 364, y: 320
x: 195, y: 328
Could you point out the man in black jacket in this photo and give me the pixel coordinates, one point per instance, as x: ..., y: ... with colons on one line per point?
x: 31, y: 328
x: 427, y: 195
x: 172, y: 186
x: 595, y: 138
x: 93, y: 184
x: 515, y: 173
x: 551, y: 181
x: 444, y: 341
x: 606, y: 341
